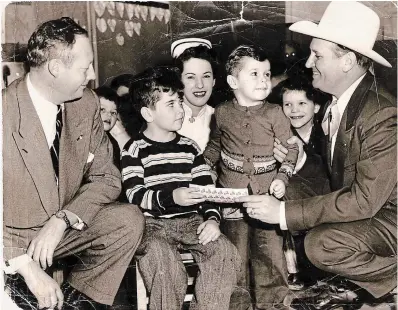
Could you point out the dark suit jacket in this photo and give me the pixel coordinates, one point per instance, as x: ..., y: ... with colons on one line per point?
x: 30, y: 192
x: 364, y: 170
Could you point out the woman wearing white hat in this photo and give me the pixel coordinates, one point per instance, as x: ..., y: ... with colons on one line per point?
x: 197, y: 63
x: 353, y: 230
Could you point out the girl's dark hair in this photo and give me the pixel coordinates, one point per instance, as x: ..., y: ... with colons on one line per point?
x: 109, y: 94
x: 200, y: 52
x: 302, y: 83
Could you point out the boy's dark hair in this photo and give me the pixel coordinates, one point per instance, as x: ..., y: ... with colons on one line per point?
x: 51, y: 39
x: 147, y: 86
x: 121, y: 80
x: 109, y: 94
x: 233, y: 65
x: 200, y: 52
x: 302, y: 83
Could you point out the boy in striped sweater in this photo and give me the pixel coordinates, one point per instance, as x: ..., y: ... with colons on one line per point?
x: 157, y: 169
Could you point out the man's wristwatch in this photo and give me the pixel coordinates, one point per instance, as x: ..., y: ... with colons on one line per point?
x: 62, y: 215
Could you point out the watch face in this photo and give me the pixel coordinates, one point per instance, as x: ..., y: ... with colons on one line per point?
x: 60, y: 214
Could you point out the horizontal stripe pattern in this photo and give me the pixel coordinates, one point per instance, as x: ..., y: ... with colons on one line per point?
x: 151, y: 171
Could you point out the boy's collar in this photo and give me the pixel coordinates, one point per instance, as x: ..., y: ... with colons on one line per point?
x: 244, y: 108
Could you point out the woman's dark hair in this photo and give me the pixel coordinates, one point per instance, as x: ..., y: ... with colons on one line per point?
x: 50, y: 40
x: 109, y: 94
x: 200, y: 52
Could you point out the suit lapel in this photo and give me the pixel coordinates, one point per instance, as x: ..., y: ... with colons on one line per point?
x: 74, y: 146
x: 32, y: 145
x: 345, y: 132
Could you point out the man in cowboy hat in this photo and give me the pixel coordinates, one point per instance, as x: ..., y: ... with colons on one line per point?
x: 352, y: 230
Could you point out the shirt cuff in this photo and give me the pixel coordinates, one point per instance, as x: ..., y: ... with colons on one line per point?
x: 11, y: 266
x: 282, y: 216
x: 72, y: 217
x: 300, y: 164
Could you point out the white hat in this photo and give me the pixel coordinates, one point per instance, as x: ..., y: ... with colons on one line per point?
x: 179, y: 46
x: 347, y: 23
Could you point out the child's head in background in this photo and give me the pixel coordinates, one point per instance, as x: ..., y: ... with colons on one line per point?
x: 249, y: 75
x: 197, y: 63
x: 109, y: 102
x: 301, y: 102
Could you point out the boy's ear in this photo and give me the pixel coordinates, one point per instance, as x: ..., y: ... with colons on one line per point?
x: 54, y: 67
x: 316, y: 108
x: 214, y: 82
x: 232, y: 81
x: 147, y: 114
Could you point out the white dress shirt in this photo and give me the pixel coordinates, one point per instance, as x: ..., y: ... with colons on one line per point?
x: 342, y: 103
x: 199, y: 129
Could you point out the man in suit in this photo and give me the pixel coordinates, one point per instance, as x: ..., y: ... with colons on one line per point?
x: 59, y: 180
x: 353, y: 229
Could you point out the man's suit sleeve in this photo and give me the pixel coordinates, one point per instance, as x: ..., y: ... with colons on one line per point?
x: 101, y: 182
x: 374, y: 182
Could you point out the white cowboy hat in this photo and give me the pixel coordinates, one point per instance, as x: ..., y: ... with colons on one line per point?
x: 348, y: 23
x: 179, y: 46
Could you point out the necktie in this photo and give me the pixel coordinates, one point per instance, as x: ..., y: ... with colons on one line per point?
x: 54, y: 149
x: 331, y: 120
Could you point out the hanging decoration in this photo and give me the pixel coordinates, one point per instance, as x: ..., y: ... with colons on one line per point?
x: 111, y: 24
x: 159, y: 14
x: 111, y: 7
x: 166, y: 16
x: 152, y: 13
x: 137, y: 28
x: 137, y: 11
x: 99, y: 8
x: 101, y: 24
x: 120, y: 39
x: 144, y: 12
x: 130, y: 10
x: 120, y: 8
x: 129, y: 28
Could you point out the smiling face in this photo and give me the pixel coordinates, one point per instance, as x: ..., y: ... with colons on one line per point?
x: 74, y: 75
x: 299, y: 109
x: 253, y: 82
x: 326, y: 66
x: 108, y: 113
x: 167, y: 115
x: 198, y: 81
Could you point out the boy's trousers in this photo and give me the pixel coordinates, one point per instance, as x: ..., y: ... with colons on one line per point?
x: 164, y: 273
x: 264, y: 259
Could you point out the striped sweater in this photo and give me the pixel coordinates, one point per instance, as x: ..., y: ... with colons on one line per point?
x: 152, y: 170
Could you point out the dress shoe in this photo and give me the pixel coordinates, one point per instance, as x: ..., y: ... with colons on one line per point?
x: 294, y: 282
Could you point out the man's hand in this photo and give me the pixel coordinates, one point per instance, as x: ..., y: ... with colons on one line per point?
x: 280, y: 151
x: 277, y: 188
x: 42, y: 247
x: 208, y: 231
x: 262, y: 207
x: 45, y: 288
x: 185, y: 196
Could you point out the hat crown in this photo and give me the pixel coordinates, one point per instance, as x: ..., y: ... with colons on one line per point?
x: 351, y: 22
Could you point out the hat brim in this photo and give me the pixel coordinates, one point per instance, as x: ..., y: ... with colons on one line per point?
x: 312, y: 29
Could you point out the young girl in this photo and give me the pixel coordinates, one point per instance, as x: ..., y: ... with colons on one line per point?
x: 110, y: 103
x: 301, y: 103
x: 196, y: 62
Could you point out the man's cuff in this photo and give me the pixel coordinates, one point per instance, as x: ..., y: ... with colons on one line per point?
x: 282, y: 216
x: 73, y: 218
x: 12, y: 265
x: 300, y: 164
